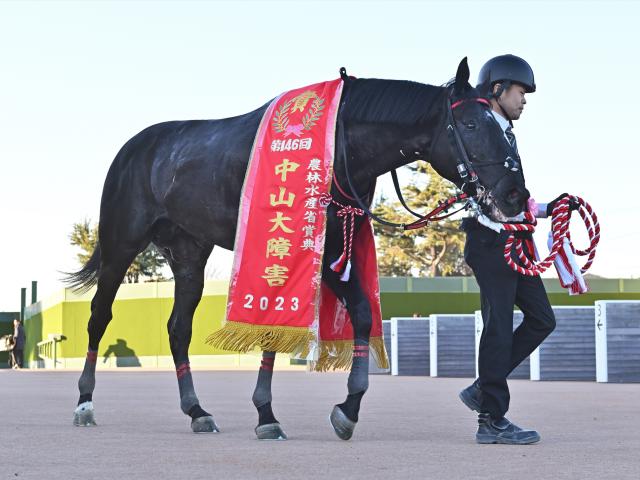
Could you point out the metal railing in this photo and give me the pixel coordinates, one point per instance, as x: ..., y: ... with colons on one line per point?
x: 48, y: 349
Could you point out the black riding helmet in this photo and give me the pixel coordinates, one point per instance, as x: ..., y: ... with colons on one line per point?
x: 506, y: 69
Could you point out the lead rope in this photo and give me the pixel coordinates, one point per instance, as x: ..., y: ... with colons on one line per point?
x: 348, y: 214
x: 560, y: 236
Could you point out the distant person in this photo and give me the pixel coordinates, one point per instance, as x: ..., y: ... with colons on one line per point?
x: 18, y: 344
x: 6, y: 345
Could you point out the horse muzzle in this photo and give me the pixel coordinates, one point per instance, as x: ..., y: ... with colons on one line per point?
x: 504, y: 203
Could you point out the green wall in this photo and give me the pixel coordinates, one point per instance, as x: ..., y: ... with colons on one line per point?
x: 141, y: 323
x: 41, y: 324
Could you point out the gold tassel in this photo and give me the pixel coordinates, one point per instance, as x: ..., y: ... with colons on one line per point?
x: 379, y: 352
x: 338, y: 354
x: 242, y: 337
x: 333, y: 354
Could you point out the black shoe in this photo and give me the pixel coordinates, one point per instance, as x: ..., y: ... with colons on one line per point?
x: 503, y: 431
x: 470, y: 396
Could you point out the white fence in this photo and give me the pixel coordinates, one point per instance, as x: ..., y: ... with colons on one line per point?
x: 589, y: 343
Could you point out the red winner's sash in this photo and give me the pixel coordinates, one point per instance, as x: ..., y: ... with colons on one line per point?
x: 275, y: 295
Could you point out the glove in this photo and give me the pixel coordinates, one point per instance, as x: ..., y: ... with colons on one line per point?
x: 552, y: 204
x: 522, y: 235
x: 573, y: 203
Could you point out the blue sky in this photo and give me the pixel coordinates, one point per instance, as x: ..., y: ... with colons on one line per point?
x: 80, y: 78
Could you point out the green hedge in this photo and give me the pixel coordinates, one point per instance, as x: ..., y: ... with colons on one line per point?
x: 406, y: 304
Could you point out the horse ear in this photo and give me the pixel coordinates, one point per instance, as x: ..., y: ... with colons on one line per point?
x: 462, y: 76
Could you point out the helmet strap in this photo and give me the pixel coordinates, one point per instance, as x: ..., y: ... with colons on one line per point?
x: 501, y: 89
x: 504, y: 112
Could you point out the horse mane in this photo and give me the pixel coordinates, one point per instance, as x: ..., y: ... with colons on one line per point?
x: 390, y: 101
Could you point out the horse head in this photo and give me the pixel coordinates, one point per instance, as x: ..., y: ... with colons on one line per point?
x: 487, y: 166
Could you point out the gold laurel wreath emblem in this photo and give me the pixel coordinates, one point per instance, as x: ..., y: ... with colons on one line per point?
x: 310, y: 115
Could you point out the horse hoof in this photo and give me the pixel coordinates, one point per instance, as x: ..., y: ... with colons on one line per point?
x: 270, y: 431
x: 83, y: 416
x: 341, y: 424
x: 204, y: 425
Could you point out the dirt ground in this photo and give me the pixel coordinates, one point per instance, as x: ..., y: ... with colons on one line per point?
x: 410, y: 427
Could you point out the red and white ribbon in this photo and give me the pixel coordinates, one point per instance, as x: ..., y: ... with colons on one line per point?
x: 348, y: 214
x: 561, y: 250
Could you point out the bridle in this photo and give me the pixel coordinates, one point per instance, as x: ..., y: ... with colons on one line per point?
x: 470, y: 187
x: 465, y: 166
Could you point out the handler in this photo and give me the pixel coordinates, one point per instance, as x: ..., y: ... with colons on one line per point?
x: 504, y: 80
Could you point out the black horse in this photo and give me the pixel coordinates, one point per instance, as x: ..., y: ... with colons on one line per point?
x: 177, y: 185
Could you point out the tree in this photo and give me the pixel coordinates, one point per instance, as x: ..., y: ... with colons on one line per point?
x: 434, y: 250
x: 146, y: 267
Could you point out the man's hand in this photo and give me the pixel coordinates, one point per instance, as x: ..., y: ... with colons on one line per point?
x: 573, y: 204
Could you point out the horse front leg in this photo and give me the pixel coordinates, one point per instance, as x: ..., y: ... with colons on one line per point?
x: 344, y: 416
x: 268, y: 427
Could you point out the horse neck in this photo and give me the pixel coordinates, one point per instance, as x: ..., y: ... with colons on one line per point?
x: 376, y: 149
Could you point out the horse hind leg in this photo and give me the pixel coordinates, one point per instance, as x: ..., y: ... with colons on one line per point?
x: 111, y: 272
x: 268, y: 427
x: 187, y: 259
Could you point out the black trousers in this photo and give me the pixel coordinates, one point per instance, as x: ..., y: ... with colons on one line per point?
x: 18, y: 357
x: 502, y: 349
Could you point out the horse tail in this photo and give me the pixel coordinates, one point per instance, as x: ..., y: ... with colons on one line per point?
x: 87, y: 276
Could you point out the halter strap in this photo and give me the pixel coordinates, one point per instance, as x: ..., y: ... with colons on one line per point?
x: 484, y: 101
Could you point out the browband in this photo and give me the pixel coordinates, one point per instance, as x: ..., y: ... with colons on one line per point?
x: 478, y: 99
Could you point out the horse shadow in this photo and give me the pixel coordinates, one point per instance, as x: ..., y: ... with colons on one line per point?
x: 125, y: 355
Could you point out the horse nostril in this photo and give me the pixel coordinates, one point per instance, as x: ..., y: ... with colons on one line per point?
x: 513, y: 194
